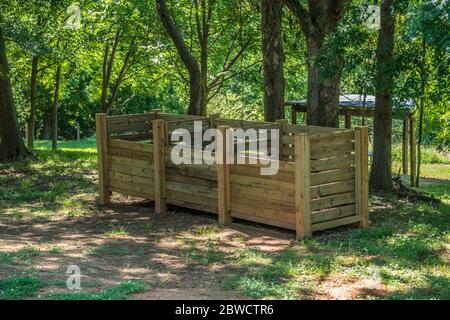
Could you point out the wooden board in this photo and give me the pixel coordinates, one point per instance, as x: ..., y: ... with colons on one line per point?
x: 332, y: 201
x: 325, y: 177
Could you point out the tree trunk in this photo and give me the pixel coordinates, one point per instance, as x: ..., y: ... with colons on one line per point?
x: 381, y: 173
x: 46, y: 131
x: 197, y: 94
x: 55, y: 108
x: 33, y: 99
x: 323, y: 87
x: 319, y: 21
x: 11, y: 143
x: 273, y: 56
x: 421, y: 111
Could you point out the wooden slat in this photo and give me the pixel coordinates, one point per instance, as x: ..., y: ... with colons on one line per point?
x: 140, y: 155
x: 282, y: 165
x: 340, y: 162
x: 262, y: 182
x: 131, y: 162
x: 271, y: 222
x: 256, y: 172
x: 271, y: 194
x: 192, y: 188
x: 196, y: 171
x: 131, y: 118
x: 333, y: 138
x: 129, y: 127
x: 332, y: 176
x: 130, y: 169
x: 332, y: 201
x: 170, y: 176
x: 332, y: 188
x: 143, y: 189
x: 133, y: 137
x: 333, y: 213
x: 198, y: 207
x: 189, y: 197
x: 320, y: 151
x: 267, y: 213
x: 335, y: 223
x: 124, y: 144
x: 134, y: 193
x: 261, y: 202
x: 131, y: 178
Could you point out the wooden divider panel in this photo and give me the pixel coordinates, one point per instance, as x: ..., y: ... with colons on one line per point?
x: 332, y: 163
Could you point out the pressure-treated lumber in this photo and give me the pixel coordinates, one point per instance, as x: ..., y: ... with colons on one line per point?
x: 321, y: 182
x: 302, y: 186
x: 361, y: 175
x: 223, y: 178
x: 159, y: 147
x: 102, y: 163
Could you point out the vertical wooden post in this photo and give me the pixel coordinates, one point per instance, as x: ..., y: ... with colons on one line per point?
x: 348, y: 120
x: 223, y: 179
x: 102, y: 157
x: 293, y: 115
x: 156, y: 112
x: 159, y: 166
x: 412, y: 145
x: 302, y: 186
x: 212, y: 120
x: 405, y: 145
x: 361, y: 175
x: 281, y: 123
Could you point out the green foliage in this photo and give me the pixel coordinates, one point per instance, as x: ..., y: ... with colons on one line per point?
x: 119, y: 292
x: 19, y: 287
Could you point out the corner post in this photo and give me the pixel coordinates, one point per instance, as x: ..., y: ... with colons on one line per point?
x: 223, y: 178
x: 362, y: 175
x: 159, y: 164
x: 101, y: 130
x: 302, y: 186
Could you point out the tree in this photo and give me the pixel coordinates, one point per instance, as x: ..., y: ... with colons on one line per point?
x: 381, y: 173
x: 55, y: 108
x: 273, y: 56
x: 11, y: 143
x: 200, y: 90
x: 317, y: 22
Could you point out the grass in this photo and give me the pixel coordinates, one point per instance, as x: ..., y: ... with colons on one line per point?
x: 405, y: 252
x: 119, y: 292
x: 19, y: 287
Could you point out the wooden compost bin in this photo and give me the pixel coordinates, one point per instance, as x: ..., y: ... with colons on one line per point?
x: 321, y: 183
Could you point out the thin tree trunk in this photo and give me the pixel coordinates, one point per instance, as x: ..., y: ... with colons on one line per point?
x: 273, y: 56
x: 11, y: 143
x: 55, y: 108
x: 197, y: 98
x: 421, y: 112
x: 381, y: 173
x: 33, y: 99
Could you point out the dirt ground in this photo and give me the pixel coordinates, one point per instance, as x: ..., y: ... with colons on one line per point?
x: 127, y: 241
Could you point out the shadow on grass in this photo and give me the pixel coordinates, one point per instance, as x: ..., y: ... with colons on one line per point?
x: 46, y: 180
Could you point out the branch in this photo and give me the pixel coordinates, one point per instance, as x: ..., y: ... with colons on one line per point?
x: 300, y: 13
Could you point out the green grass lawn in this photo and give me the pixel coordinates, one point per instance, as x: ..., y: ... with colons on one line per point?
x: 405, y: 253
